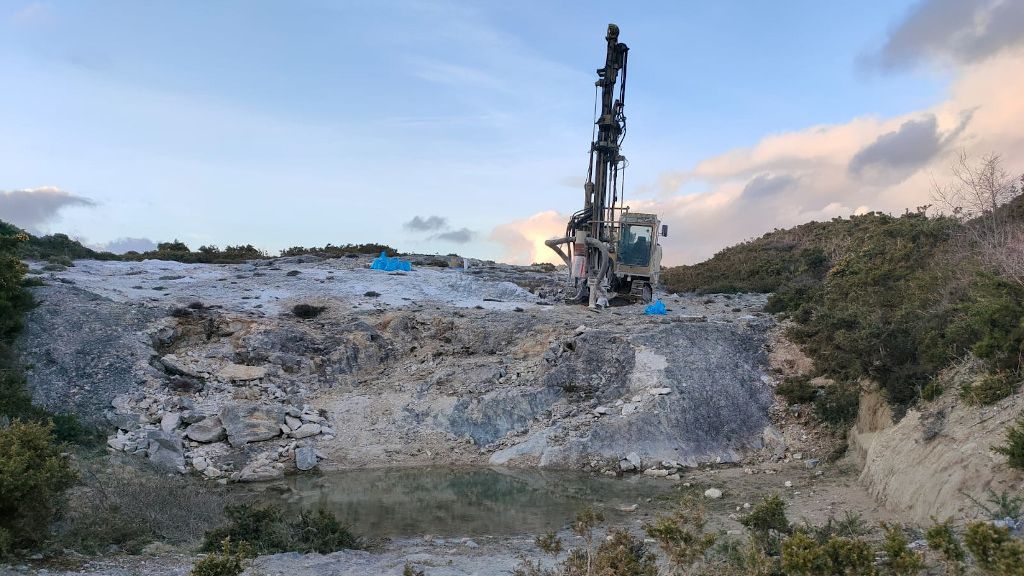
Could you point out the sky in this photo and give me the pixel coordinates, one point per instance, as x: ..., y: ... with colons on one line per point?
x: 464, y: 126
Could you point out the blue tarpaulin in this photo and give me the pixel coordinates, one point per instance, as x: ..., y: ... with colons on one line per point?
x: 388, y: 264
x: 656, y: 307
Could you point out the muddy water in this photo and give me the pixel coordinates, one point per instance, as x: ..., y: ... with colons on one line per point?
x: 449, y: 502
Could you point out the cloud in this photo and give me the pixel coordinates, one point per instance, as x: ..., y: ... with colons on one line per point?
x: 766, y: 185
x: 522, y: 241
x: 428, y: 224
x: 821, y: 172
x: 122, y: 245
x: 33, y: 208
x: 953, y: 31
x: 460, y: 236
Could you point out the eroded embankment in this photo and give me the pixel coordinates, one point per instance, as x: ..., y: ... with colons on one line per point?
x: 205, y: 368
x: 936, y: 461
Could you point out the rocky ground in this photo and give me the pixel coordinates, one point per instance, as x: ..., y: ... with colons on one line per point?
x: 212, y: 369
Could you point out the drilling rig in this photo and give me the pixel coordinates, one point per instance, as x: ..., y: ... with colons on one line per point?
x: 609, y: 250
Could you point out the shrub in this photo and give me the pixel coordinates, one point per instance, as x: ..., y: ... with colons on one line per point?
x: 766, y: 520
x: 994, y: 549
x: 805, y: 556
x: 988, y: 389
x: 321, y: 532
x: 33, y: 477
x: 266, y: 531
x: 942, y: 539
x: 797, y: 390
x: 1013, y: 449
x: 129, y: 508
x: 261, y: 527
x: 902, y: 561
x: 837, y: 406
x: 682, y: 536
x: 229, y: 561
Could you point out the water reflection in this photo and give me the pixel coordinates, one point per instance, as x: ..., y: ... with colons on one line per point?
x: 461, y: 502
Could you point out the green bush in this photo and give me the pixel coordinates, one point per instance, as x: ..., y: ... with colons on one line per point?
x: 229, y: 561
x: 1013, y: 449
x: 768, y: 515
x: 683, y: 536
x: 988, y: 389
x: 797, y: 390
x: 837, y: 406
x: 805, y: 556
x: 321, y: 532
x: 994, y: 549
x: 33, y: 477
x: 900, y: 560
x: 942, y: 539
x: 265, y: 530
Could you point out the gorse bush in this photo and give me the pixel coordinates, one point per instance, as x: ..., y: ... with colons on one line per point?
x: 33, y: 477
x: 266, y: 530
x: 228, y: 561
x: 1013, y: 448
x: 619, y: 554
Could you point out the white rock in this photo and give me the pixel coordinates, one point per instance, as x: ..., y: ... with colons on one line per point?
x: 713, y: 493
x: 637, y: 398
x: 659, y: 391
x: 200, y: 463
x: 306, y: 430
x: 170, y: 421
x: 656, y: 472
x: 601, y: 410
x: 240, y: 372
x: 211, y: 472
x: 789, y: 484
x: 292, y: 422
x: 628, y: 409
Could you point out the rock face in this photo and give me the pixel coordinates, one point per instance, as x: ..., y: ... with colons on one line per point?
x: 437, y: 367
x: 209, y: 429
x: 249, y: 422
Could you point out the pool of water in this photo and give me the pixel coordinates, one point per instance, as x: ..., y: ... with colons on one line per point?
x: 461, y: 502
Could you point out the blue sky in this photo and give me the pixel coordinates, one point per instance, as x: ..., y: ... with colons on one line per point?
x: 302, y: 123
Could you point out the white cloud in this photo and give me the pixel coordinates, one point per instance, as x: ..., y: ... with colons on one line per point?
x: 34, y: 208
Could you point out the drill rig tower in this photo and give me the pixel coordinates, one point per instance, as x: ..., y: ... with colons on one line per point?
x: 611, y: 251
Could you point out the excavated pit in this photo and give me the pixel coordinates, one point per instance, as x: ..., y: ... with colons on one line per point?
x: 205, y: 368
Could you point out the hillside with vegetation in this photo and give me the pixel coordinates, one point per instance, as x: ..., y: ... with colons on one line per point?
x: 894, y: 299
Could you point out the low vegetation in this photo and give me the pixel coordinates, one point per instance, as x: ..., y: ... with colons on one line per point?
x: 266, y: 529
x: 34, y: 474
x: 1013, y: 448
x: 894, y: 299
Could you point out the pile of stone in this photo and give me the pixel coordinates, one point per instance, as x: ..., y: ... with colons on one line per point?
x: 174, y: 435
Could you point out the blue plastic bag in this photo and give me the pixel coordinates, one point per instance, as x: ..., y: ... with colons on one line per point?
x: 656, y: 307
x: 383, y: 262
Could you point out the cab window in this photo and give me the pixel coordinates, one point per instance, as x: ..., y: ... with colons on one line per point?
x: 635, y: 245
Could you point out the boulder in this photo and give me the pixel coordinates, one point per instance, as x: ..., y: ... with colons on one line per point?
x: 241, y: 373
x: 165, y: 450
x: 292, y: 422
x: 170, y: 421
x: 305, y: 458
x: 306, y: 430
x: 177, y: 367
x: 128, y: 421
x: 713, y: 493
x: 247, y: 422
x: 260, y: 472
x: 208, y: 429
